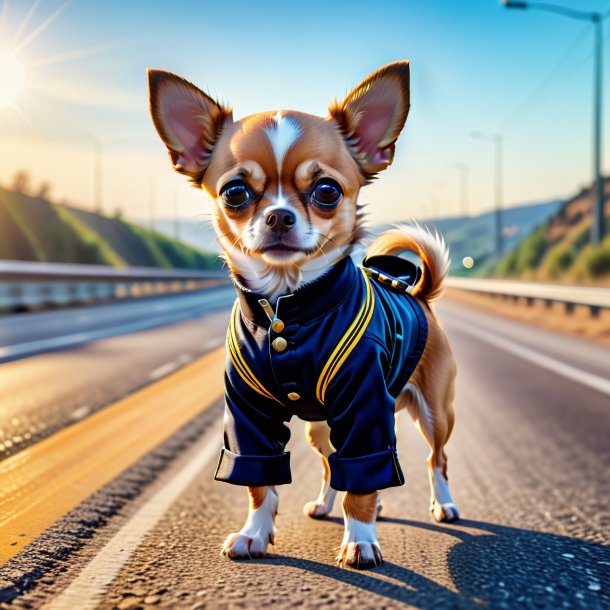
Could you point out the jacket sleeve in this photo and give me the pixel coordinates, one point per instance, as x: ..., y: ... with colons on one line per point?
x: 255, y: 436
x: 361, y: 418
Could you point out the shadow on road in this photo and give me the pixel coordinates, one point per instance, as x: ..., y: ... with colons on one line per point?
x: 492, y: 566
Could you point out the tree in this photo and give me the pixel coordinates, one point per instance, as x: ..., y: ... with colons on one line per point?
x: 22, y: 181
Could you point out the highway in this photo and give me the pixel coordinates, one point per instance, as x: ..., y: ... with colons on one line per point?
x: 528, y: 465
x: 59, y: 385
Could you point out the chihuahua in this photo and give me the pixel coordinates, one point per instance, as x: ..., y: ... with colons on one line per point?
x: 311, y: 334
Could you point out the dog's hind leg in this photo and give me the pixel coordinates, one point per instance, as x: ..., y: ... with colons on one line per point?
x: 259, y: 530
x: 360, y: 548
x: 318, y: 436
x: 429, y: 399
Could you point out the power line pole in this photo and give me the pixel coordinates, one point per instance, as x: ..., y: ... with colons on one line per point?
x: 598, y: 221
x: 598, y: 229
x: 97, y: 171
x: 498, y: 141
x: 463, y: 171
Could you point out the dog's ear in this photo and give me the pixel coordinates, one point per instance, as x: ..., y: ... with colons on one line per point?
x: 373, y: 114
x: 188, y: 121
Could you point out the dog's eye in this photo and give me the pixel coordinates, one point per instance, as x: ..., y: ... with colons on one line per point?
x: 327, y: 194
x: 236, y: 194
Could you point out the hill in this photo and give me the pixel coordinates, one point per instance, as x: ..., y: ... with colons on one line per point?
x: 35, y: 229
x: 472, y: 235
x: 559, y: 250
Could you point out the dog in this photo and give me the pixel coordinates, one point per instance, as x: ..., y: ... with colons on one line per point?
x: 311, y: 334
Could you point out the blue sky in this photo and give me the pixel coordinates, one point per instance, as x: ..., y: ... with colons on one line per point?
x: 474, y: 65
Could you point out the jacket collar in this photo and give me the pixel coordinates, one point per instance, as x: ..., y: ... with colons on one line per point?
x: 308, y: 302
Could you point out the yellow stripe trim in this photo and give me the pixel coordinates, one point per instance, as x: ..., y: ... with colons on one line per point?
x: 348, y: 342
x: 238, y: 361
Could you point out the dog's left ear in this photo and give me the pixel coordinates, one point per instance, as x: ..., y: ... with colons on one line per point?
x: 373, y: 115
x: 188, y: 121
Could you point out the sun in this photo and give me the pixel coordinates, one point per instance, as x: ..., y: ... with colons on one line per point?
x: 12, y: 77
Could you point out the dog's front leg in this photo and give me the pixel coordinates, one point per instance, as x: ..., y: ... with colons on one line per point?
x: 359, y: 548
x: 259, y: 530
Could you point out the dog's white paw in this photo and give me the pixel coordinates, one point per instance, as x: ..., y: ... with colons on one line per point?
x: 315, y: 509
x: 445, y: 513
x: 322, y: 507
x: 360, y: 555
x: 242, y: 546
x: 442, y: 506
x: 359, y: 548
x: 255, y: 536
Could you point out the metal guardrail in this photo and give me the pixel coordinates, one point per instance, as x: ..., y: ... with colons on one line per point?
x: 595, y: 299
x: 31, y: 285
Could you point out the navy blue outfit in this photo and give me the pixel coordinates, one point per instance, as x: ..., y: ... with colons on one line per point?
x: 339, y: 349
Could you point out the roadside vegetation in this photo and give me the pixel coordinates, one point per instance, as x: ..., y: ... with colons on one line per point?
x: 560, y: 249
x: 32, y: 228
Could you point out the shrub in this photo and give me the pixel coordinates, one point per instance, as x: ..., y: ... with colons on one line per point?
x: 532, y: 249
x: 598, y: 259
x: 558, y: 261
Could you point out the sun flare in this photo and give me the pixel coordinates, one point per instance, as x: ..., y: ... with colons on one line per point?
x: 12, y: 79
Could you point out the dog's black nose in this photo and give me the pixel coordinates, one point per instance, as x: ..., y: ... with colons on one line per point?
x: 280, y: 220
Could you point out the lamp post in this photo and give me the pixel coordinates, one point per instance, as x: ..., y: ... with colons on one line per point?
x: 462, y: 168
x: 498, y: 141
x: 97, y: 170
x: 597, y: 216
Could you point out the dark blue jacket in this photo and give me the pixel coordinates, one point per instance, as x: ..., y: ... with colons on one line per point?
x: 341, y: 349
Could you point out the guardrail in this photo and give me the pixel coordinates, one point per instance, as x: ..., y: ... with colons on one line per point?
x: 595, y: 299
x: 28, y: 285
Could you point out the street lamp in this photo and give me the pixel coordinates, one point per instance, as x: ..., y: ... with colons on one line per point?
x: 462, y: 168
x: 97, y: 170
x: 596, y: 18
x: 498, y: 140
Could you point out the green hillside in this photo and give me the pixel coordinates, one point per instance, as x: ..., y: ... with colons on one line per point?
x: 35, y: 229
x: 559, y: 250
x: 473, y: 235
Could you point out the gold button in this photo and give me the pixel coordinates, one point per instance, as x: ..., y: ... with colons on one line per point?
x: 279, y: 344
x: 293, y: 396
x: 278, y: 326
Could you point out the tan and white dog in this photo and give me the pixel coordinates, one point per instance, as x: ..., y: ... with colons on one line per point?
x: 286, y: 188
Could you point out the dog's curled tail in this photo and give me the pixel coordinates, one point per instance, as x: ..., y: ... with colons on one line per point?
x: 430, y: 247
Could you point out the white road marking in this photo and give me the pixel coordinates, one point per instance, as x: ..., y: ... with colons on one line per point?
x: 28, y: 348
x: 80, y: 412
x: 87, y: 589
x: 568, y: 371
x: 169, y: 367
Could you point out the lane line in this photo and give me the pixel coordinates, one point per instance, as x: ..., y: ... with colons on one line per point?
x: 28, y: 348
x: 87, y: 589
x: 45, y: 481
x: 169, y: 367
x: 595, y: 382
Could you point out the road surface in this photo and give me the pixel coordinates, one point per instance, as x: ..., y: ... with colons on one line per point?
x: 528, y: 465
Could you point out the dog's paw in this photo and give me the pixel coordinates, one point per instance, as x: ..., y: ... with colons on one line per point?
x: 359, y: 547
x: 315, y: 509
x: 323, y: 506
x: 445, y: 513
x: 360, y: 555
x: 242, y: 546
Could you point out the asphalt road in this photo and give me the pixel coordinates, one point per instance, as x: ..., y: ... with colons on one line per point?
x: 107, y: 351
x: 528, y: 465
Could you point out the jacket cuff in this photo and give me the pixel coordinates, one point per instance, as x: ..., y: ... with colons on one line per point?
x: 366, y: 473
x: 253, y: 470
